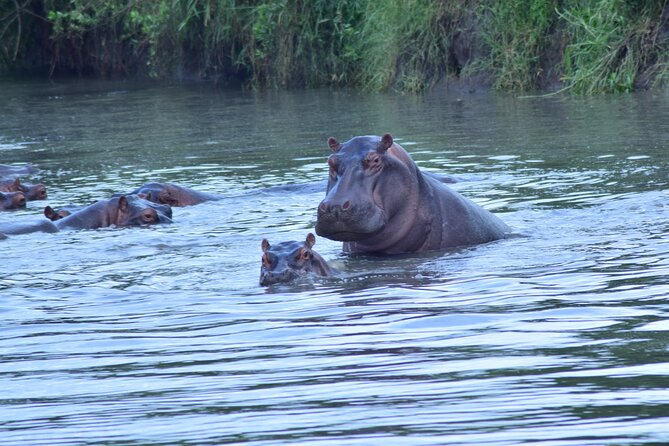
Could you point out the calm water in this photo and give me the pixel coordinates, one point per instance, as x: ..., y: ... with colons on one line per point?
x: 162, y: 335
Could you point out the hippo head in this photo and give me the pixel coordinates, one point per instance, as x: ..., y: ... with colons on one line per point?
x: 288, y: 260
x: 12, y: 200
x: 34, y: 191
x: 161, y: 193
x: 133, y: 210
x: 30, y: 191
x: 367, y: 184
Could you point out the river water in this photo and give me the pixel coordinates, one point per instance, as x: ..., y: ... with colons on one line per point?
x: 557, y: 335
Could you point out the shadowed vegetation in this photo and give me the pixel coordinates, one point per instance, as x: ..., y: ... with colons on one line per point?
x: 584, y: 46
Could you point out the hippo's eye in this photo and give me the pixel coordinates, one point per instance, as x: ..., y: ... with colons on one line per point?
x: 372, y: 161
x: 148, y: 217
x: 304, y: 254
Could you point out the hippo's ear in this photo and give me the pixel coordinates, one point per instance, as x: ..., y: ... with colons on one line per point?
x: 265, y: 245
x: 333, y: 143
x: 123, y: 203
x: 311, y: 240
x: 17, y: 183
x: 49, y: 213
x: 385, y: 143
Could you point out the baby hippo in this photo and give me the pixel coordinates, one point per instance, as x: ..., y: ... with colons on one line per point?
x: 288, y: 260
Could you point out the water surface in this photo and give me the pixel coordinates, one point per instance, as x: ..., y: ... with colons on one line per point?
x: 162, y: 335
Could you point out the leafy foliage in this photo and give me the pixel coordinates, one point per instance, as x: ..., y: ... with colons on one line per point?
x: 591, y: 46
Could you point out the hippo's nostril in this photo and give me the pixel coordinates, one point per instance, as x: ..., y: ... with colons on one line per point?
x: 346, y: 205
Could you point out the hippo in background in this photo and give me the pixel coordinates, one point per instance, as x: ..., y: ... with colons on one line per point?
x: 286, y: 261
x: 7, y: 170
x: 118, y: 211
x: 12, y: 200
x: 172, y: 194
x: 126, y: 210
x: 379, y: 202
x: 30, y: 191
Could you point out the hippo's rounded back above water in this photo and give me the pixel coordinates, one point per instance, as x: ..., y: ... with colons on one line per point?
x: 286, y: 261
x: 118, y: 211
x: 379, y: 202
x: 172, y: 194
x: 7, y: 170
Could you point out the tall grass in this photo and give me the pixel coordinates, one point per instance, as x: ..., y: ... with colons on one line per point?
x: 517, y: 33
x: 591, y: 46
x: 612, y: 41
x: 404, y: 44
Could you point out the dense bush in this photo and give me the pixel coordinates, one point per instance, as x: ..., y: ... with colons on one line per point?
x: 584, y: 46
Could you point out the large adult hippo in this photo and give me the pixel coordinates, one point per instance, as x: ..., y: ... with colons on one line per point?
x: 286, y: 261
x: 118, y: 211
x: 30, y: 191
x: 379, y: 202
x: 12, y: 200
x: 173, y: 194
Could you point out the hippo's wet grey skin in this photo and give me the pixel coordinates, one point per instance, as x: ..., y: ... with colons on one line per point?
x: 118, y: 211
x: 286, y: 261
x: 173, y: 194
x: 30, y: 191
x: 379, y: 202
x: 126, y: 210
x: 12, y: 200
x: 7, y: 170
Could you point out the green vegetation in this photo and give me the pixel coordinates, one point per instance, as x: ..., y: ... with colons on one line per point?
x: 582, y: 46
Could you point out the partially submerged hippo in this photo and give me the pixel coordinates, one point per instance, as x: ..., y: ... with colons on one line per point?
x: 126, y: 210
x: 286, y: 261
x: 30, y: 191
x: 7, y: 170
x: 118, y: 211
x: 379, y: 202
x: 12, y: 200
x: 173, y: 194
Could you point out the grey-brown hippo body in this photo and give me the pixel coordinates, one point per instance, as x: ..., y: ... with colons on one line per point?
x: 12, y: 200
x: 126, y: 210
x: 30, y: 191
x: 173, y: 194
x: 379, y: 202
x: 286, y: 261
x: 7, y: 170
x: 118, y: 211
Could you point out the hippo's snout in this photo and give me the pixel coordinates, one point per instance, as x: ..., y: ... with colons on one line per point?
x: 19, y: 200
x: 270, y: 277
x: 348, y: 220
x: 326, y: 207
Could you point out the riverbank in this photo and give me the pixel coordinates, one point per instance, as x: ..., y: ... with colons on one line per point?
x: 580, y: 46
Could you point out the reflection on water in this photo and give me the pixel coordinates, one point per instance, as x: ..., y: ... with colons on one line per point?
x: 162, y: 335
